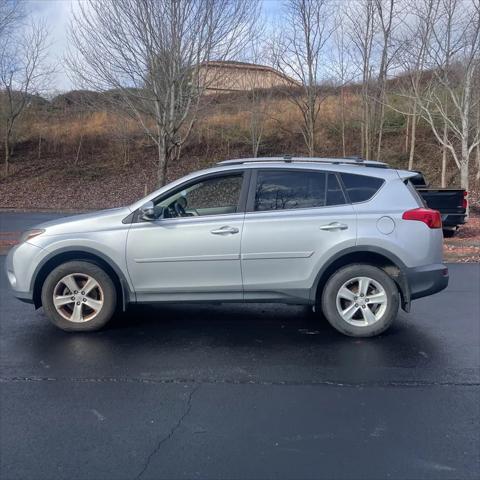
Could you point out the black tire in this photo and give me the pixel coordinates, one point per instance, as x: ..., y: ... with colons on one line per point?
x: 449, y: 233
x: 106, y: 284
x: 344, y: 274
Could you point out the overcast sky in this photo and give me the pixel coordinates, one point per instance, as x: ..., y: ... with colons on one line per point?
x: 57, y: 14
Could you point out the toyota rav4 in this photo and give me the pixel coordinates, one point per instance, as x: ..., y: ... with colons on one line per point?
x: 351, y: 238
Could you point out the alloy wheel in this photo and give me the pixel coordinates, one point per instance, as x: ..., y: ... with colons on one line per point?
x: 361, y: 301
x: 78, y: 297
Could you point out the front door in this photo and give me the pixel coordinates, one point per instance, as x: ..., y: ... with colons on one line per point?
x: 193, y: 251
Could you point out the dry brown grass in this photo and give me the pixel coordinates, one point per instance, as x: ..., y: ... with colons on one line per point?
x: 107, y: 148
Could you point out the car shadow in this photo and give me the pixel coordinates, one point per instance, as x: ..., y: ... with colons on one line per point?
x: 168, y: 339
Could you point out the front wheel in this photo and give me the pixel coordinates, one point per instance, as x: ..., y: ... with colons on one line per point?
x: 360, y: 300
x: 79, y: 296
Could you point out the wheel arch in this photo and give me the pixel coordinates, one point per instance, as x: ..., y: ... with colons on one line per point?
x: 378, y: 257
x: 58, y: 257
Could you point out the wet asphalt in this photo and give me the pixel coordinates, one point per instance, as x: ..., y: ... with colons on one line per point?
x: 241, y: 391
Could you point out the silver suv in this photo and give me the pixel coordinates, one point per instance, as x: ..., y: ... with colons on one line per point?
x: 351, y: 238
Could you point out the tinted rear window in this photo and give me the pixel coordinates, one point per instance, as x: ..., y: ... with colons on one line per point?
x: 360, y: 188
x: 287, y: 190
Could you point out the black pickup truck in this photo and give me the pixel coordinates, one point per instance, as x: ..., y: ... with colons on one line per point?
x: 450, y: 202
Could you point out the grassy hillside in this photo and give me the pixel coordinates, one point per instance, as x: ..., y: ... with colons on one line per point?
x: 70, y: 156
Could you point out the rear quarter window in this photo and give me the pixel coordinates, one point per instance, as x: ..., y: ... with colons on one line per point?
x: 360, y: 188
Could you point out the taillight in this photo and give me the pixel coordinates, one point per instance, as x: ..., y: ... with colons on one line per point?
x: 429, y: 217
x: 465, y: 200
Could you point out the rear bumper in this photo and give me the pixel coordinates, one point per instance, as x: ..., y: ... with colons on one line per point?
x: 427, y: 280
x: 453, y: 219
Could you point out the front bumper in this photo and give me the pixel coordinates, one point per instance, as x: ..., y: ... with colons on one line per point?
x: 20, y: 266
x: 427, y: 280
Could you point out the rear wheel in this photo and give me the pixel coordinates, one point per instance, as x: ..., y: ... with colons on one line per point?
x: 360, y: 300
x: 79, y: 296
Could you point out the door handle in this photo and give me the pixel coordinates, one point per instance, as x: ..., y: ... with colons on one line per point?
x: 226, y: 230
x: 334, y: 226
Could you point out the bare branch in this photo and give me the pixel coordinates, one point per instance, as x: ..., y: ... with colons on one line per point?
x: 155, y: 54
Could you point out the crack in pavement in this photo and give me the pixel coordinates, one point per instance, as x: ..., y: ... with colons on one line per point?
x: 226, y: 381
x: 170, y: 434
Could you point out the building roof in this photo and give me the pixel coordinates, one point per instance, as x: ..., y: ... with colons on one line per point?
x: 248, y: 66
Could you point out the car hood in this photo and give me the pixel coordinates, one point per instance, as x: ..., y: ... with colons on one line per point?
x: 86, y: 222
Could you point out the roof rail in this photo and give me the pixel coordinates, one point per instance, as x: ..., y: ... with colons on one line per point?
x: 356, y: 158
x: 289, y: 159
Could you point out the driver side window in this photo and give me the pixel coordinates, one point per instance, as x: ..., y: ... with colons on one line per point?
x: 212, y: 196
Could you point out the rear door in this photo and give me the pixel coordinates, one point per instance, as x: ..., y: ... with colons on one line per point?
x: 295, y: 220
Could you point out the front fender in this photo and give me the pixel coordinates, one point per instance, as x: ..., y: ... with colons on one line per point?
x: 109, y: 249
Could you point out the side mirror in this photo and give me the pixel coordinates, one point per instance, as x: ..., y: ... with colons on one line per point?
x: 149, y: 212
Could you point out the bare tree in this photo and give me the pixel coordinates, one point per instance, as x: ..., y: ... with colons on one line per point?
x: 11, y: 13
x: 449, y: 96
x: 362, y: 30
x: 298, y: 51
x: 388, y: 21
x: 342, y: 72
x: 258, y: 95
x: 23, y: 73
x: 477, y: 90
x: 155, y: 54
x: 417, y: 40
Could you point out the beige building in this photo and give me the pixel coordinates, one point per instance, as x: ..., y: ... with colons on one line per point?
x: 238, y: 76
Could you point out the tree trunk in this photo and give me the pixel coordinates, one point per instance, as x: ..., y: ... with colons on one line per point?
x: 255, y: 132
x: 413, y: 135
x: 464, y: 164
x: 7, y: 156
x: 362, y: 139
x: 311, y: 145
x: 39, y: 153
x: 342, y: 116
x: 380, y: 128
x: 8, y: 147
x: 311, y: 125
x: 126, y: 152
x: 407, y: 130
x: 477, y: 149
x: 465, y: 133
x: 367, y: 128
x: 464, y: 175
x: 477, y: 176
x: 78, y: 150
x: 162, y: 164
x: 443, y: 181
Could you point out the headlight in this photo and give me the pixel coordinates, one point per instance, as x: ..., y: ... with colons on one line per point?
x: 29, y: 234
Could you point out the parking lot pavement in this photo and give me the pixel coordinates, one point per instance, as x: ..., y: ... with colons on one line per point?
x: 12, y: 224
x: 243, y: 391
